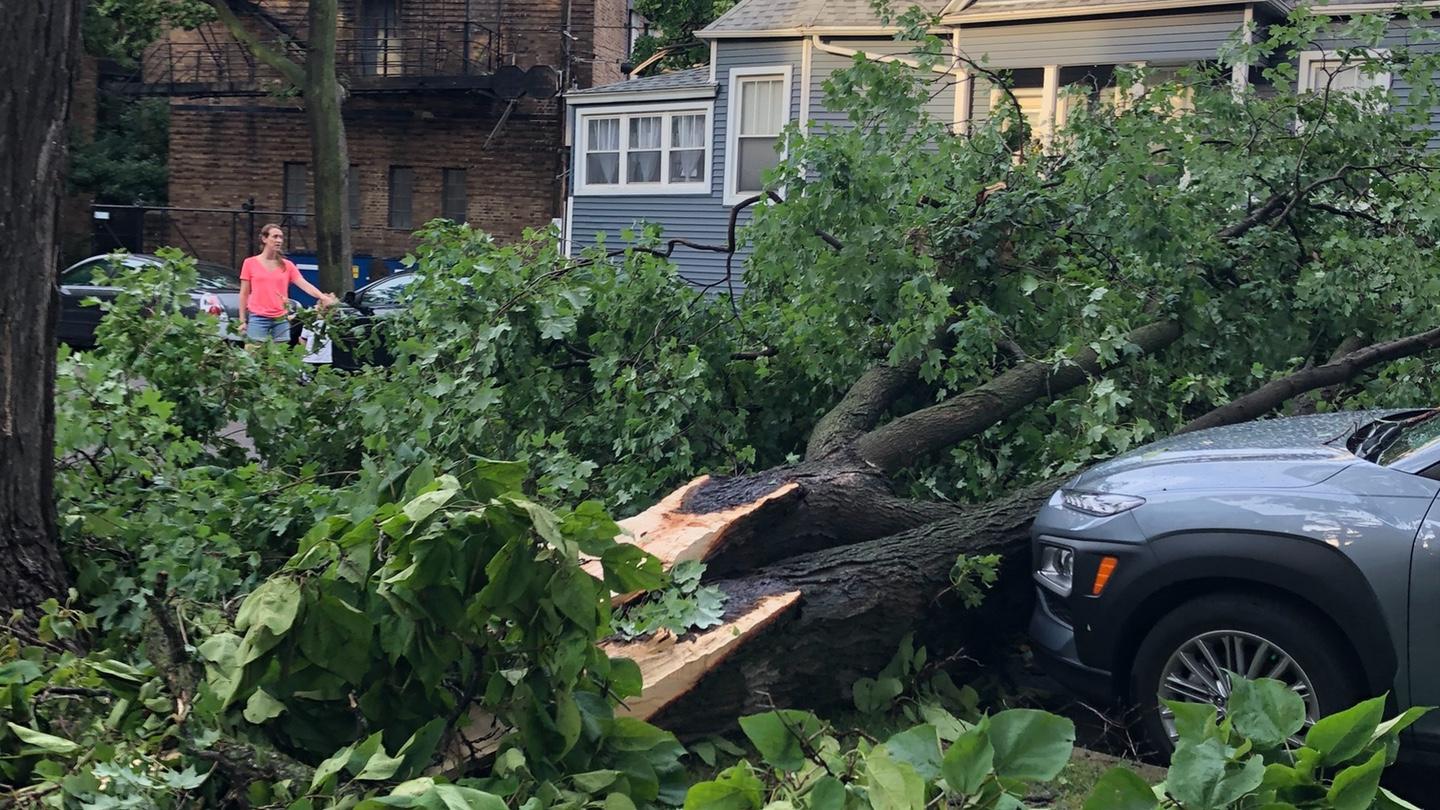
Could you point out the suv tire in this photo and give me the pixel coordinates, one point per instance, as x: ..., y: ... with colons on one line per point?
x: 1252, y: 621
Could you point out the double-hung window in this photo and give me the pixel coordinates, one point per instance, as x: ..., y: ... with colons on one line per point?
x: 759, y: 109
x: 644, y: 152
x: 1321, y: 71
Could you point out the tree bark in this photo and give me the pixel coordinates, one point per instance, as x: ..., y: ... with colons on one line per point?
x: 330, y: 161
x: 39, y: 56
x: 905, y: 440
x: 857, y: 601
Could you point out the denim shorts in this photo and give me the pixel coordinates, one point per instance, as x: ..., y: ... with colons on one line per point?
x: 262, y: 327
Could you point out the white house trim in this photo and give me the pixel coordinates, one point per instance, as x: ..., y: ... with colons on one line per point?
x: 569, y: 233
x: 805, y: 62
x: 702, y: 94
x: 1364, y: 8
x: 582, y: 134
x: 732, y: 120
x: 1309, y: 58
x: 714, y: 47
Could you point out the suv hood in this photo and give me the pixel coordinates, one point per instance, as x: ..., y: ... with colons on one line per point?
x: 1287, y: 453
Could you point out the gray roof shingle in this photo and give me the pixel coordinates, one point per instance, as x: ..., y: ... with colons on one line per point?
x: 779, y: 15
x: 677, y: 80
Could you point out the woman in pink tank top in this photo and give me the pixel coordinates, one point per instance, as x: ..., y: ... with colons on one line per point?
x: 265, y: 285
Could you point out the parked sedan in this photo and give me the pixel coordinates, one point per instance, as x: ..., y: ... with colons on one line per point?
x: 216, y: 291
x: 1304, y: 549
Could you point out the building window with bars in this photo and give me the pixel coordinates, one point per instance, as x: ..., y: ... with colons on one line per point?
x: 296, y: 192
x: 454, y: 201
x: 402, y: 192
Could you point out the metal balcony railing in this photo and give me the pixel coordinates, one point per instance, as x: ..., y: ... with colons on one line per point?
x: 369, y: 60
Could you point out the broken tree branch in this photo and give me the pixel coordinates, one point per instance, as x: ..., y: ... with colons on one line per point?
x: 1269, y: 396
x: 905, y: 440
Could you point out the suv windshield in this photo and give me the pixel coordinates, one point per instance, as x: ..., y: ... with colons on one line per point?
x: 1394, y: 441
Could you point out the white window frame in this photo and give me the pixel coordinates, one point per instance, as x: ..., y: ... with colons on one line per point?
x: 666, y: 112
x: 1308, y: 60
x: 732, y: 120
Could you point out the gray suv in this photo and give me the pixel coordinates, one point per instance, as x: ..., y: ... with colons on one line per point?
x: 1304, y: 549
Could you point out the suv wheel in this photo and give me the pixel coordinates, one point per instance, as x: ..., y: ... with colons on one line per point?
x: 1185, y: 657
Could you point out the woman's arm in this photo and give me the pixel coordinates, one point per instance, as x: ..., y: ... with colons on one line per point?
x: 325, y: 299
x: 244, y: 300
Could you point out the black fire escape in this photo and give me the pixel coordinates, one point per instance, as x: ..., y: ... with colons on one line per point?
x: 382, y: 46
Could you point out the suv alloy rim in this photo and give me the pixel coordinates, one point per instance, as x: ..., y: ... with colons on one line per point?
x: 1197, y: 672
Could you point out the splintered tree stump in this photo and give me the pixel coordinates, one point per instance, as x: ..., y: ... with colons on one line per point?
x: 670, y: 667
x: 673, y: 532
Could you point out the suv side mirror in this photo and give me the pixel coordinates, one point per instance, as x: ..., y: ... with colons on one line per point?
x: 349, y: 297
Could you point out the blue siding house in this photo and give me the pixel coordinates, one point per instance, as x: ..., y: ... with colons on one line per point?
x: 681, y: 149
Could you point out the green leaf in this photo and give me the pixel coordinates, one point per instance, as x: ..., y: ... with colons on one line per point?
x: 827, y: 794
x: 41, y: 741
x: 1267, y: 712
x: 778, y: 736
x: 1121, y: 789
x: 262, y: 706
x: 417, y: 751
x: 625, y: 677
x: 1397, y: 724
x: 873, y: 696
x: 1389, y: 801
x: 1193, y: 721
x: 330, y: 767
x: 618, y: 801
x: 918, y: 747
x: 735, y: 788
x: 892, y: 785
x: 594, y: 781
x: 1355, y: 787
x: 1201, y: 776
x: 19, y: 671
x: 426, y: 503
x: 380, y: 766
x: 968, y: 762
x: 1345, y: 734
x: 1030, y: 744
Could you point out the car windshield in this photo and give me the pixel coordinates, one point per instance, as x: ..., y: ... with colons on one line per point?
x: 211, y: 276
x: 387, y: 293
x: 1394, y: 440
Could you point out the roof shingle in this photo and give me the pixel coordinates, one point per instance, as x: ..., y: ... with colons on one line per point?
x: 782, y: 15
x: 677, y: 80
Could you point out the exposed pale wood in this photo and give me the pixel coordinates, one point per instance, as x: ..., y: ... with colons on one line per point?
x: 673, y: 535
x: 672, y: 667
x: 669, y: 668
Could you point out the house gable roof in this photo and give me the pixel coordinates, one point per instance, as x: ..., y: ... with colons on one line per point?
x: 795, y: 16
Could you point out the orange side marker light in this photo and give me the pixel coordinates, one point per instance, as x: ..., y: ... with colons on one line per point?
x: 1102, y: 574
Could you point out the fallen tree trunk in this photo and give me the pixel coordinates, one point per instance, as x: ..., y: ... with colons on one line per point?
x: 858, y: 601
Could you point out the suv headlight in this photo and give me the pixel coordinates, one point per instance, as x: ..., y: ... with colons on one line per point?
x: 1057, y: 567
x: 1101, y: 504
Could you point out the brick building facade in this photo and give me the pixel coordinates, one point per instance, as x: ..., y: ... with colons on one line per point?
x: 442, y: 119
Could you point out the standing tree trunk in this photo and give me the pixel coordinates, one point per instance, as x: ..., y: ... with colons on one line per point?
x: 313, y: 73
x: 324, y: 98
x: 39, y: 55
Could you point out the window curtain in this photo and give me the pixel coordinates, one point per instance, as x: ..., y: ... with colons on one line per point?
x: 644, y: 155
x: 602, y: 151
x: 687, y: 142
